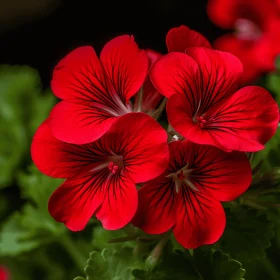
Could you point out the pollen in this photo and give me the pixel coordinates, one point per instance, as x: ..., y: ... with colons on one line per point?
x: 113, y: 167
x: 200, y: 121
x: 175, y: 138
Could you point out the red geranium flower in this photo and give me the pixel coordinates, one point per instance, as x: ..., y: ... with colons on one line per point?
x: 101, y: 175
x: 257, y: 30
x: 178, y: 39
x: 204, y: 103
x: 95, y: 93
x: 185, y: 198
x: 4, y: 275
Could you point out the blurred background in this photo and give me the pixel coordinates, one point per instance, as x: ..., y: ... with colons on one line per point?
x: 34, y: 36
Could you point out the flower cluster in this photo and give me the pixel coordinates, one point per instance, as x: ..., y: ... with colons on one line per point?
x: 122, y: 166
x: 257, y: 31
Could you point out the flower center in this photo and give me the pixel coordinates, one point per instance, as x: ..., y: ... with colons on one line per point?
x: 199, y: 120
x: 115, y: 163
x: 247, y: 30
x: 182, y: 178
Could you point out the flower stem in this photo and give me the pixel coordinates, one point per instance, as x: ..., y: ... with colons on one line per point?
x: 72, y: 250
x: 155, y: 255
x: 271, y: 269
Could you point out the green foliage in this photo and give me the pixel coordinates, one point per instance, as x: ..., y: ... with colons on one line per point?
x: 32, y: 226
x: 110, y: 264
x: 23, y: 106
x: 247, y: 234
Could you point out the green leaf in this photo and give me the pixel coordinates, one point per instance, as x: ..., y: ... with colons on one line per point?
x: 247, y: 234
x: 217, y: 266
x: 32, y: 226
x: 110, y: 264
x: 23, y: 106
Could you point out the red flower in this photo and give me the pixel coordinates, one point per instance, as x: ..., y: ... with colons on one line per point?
x: 204, y: 103
x: 95, y: 93
x: 101, y: 175
x: 4, y: 275
x: 178, y: 39
x: 185, y: 198
x: 257, y: 30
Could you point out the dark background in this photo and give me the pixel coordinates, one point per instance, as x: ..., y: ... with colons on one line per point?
x: 40, y: 36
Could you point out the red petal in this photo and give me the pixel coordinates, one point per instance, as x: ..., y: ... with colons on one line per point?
x: 55, y: 158
x: 4, y: 274
x: 224, y: 13
x: 175, y: 72
x: 119, y: 205
x: 246, y: 121
x: 200, y: 219
x: 246, y: 51
x: 156, y: 212
x: 143, y: 144
x: 151, y: 97
x: 80, y: 78
x: 221, y: 75
x: 218, y: 174
x: 113, y: 199
x: 178, y: 39
x: 125, y: 65
x: 75, y: 201
x: 80, y: 124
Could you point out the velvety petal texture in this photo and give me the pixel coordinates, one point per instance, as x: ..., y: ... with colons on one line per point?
x: 186, y: 196
x: 95, y: 92
x: 178, y: 39
x: 101, y: 175
x: 204, y: 103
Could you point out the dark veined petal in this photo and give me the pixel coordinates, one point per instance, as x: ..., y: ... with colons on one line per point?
x: 178, y: 39
x: 113, y: 199
x: 221, y: 75
x: 221, y: 175
x: 98, y: 95
x: 80, y: 124
x: 79, y: 77
x: 119, y: 204
x: 157, y: 206
x: 200, y: 219
x: 58, y: 159
x: 125, y: 65
x: 176, y: 73
x: 246, y: 121
x: 143, y: 144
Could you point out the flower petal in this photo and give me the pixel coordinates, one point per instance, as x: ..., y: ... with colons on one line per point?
x: 178, y: 39
x: 221, y: 175
x: 119, y: 204
x: 151, y: 97
x: 156, y: 211
x: 80, y: 79
x: 75, y: 201
x: 176, y: 73
x: 80, y: 124
x: 244, y: 122
x: 56, y: 158
x: 221, y: 75
x: 143, y: 144
x: 246, y: 51
x: 125, y: 65
x: 200, y: 219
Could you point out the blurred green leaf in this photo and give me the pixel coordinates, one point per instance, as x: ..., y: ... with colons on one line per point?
x: 23, y: 106
x: 247, y: 234
x: 32, y: 226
